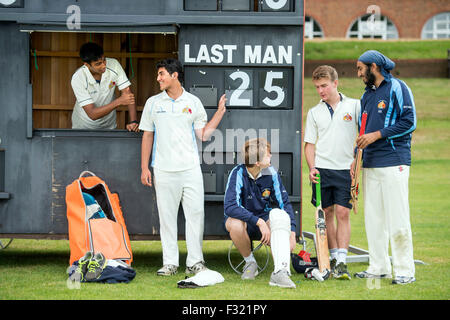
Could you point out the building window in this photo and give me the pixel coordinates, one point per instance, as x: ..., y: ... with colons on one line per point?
x: 438, y: 27
x: 312, y: 28
x: 372, y: 27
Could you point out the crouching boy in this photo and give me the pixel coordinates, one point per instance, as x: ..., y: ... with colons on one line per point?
x: 257, y: 206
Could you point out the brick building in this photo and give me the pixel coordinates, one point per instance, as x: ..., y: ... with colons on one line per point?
x: 384, y: 19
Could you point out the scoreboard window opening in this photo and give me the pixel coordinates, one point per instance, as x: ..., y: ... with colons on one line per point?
x: 240, y: 5
x: 245, y: 88
x: 54, y: 57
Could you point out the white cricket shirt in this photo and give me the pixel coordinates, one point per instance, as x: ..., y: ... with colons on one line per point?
x: 87, y: 91
x: 173, y: 123
x: 334, y: 135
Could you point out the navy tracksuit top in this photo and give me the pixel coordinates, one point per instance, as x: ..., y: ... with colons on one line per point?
x: 248, y: 200
x: 390, y: 109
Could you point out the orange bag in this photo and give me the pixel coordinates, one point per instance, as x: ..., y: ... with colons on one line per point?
x: 107, y: 235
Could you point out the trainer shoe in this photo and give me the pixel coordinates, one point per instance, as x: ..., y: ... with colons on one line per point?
x: 281, y: 279
x: 167, y: 270
x: 403, y: 280
x: 96, y: 266
x: 365, y: 275
x: 80, y: 271
x: 333, y: 265
x: 196, y: 268
x: 250, y: 271
x: 341, y: 272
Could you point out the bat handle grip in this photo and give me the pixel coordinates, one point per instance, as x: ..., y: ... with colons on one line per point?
x: 318, y: 195
x: 363, y: 123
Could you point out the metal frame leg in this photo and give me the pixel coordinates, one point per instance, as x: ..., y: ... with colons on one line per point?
x: 361, y: 255
x: 4, y: 244
x: 237, y: 267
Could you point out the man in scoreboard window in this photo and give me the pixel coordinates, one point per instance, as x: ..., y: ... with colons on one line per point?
x: 94, y: 84
x: 330, y: 134
x: 171, y: 121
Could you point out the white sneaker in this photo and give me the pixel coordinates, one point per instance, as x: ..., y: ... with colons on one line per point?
x: 365, y: 275
x: 167, y: 270
x: 196, y: 268
x: 250, y: 271
x: 403, y: 280
x: 281, y: 279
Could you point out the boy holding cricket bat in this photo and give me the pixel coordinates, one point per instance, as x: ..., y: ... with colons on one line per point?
x: 330, y: 134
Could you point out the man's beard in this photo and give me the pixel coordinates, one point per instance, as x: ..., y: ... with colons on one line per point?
x: 369, y: 78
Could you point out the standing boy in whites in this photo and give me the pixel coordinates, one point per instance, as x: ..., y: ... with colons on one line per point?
x: 171, y: 121
x: 257, y: 206
x: 391, y: 119
x: 330, y: 134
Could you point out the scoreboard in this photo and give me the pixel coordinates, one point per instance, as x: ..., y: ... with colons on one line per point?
x: 249, y: 50
x: 257, y: 63
x: 238, y: 5
x: 247, y: 80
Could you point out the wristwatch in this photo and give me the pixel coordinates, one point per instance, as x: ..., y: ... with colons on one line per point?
x: 134, y: 121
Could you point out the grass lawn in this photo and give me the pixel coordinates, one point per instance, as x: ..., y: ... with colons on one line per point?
x: 351, y: 49
x: 35, y: 269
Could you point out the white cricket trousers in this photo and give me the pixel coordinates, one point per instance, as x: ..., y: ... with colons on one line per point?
x: 171, y: 188
x: 386, y: 210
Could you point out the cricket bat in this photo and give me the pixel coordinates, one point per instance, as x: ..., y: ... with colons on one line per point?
x: 323, y: 258
x: 354, y: 189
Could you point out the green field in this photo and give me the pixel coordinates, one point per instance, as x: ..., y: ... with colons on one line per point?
x: 36, y: 269
x: 352, y: 49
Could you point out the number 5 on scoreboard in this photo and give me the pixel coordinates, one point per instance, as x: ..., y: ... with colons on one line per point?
x: 270, y: 87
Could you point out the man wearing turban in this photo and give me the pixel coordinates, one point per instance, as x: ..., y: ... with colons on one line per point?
x: 391, y: 120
